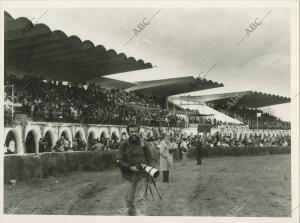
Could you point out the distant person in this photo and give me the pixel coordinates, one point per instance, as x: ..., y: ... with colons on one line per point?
x: 75, y: 146
x: 98, y: 146
x: 11, y: 147
x: 184, y: 150
x: 42, y: 146
x: 179, y: 146
x: 66, y: 144
x: 165, y: 161
x: 198, y: 145
x: 59, y: 146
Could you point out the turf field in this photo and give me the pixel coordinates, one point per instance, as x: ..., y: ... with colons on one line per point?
x: 225, y: 186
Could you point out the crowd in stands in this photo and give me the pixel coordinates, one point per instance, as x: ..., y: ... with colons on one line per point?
x: 203, y: 120
x: 56, y: 102
x: 217, y: 140
x: 249, y: 117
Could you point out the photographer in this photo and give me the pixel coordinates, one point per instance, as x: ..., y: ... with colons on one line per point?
x: 134, y: 151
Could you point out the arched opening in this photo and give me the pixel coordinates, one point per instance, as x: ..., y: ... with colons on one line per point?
x: 10, y: 143
x: 103, y: 136
x: 79, y: 143
x: 30, y: 146
x: 114, y: 137
x: 78, y: 135
x: 49, y: 141
x: 65, y: 134
x: 124, y: 136
x: 92, y: 136
x: 68, y: 141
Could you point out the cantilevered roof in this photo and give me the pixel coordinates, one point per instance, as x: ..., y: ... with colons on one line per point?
x: 111, y: 83
x: 250, y: 99
x: 173, y: 86
x: 34, y: 49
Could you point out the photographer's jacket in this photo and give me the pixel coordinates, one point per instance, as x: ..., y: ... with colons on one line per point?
x: 130, y: 154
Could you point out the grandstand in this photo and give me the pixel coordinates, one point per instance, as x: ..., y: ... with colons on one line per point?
x: 53, y: 78
x: 242, y: 106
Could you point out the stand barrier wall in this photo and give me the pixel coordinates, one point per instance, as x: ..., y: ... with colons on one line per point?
x: 26, y: 167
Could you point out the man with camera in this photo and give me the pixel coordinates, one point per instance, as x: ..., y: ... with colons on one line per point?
x: 134, y: 155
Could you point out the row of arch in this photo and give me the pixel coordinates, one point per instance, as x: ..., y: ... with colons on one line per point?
x: 30, y: 141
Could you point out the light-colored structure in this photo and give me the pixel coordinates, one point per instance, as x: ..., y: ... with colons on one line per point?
x: 23, y: 132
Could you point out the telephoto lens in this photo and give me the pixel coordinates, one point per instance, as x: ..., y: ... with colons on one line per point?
x: 149, y: 170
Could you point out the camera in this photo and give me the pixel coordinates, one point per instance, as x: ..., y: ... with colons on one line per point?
x: 151, y: 171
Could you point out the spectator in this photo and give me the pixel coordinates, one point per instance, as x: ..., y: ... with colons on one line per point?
x: 98, y: 146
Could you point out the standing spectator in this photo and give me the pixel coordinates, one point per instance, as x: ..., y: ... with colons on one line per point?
x: 42, y: 146
x: 184, y: 149
x: 98, y: 146
x: 59, y: 146
x: 165, y: 161
x: 179, y: 146
x: 75, y: 146
x: 198, y: 145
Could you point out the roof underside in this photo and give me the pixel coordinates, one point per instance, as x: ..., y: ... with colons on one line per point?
x: 173, y: 86
x: 110, y: 83
x: 33, y: 49
x: 248, y: 99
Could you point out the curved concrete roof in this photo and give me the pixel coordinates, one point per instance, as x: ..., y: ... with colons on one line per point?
x: 33, y: 49
x: 173, y: 86
x: 250, y: 99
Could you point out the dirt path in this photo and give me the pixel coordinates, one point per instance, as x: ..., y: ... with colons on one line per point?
x: 228, y: 186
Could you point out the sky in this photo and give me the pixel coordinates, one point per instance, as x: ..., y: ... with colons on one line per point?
x: 187, y: 41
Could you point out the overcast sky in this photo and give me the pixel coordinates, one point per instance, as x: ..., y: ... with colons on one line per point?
x: 185, y: 42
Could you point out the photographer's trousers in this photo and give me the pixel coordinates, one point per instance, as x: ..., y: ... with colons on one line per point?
x: 135, y: 196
